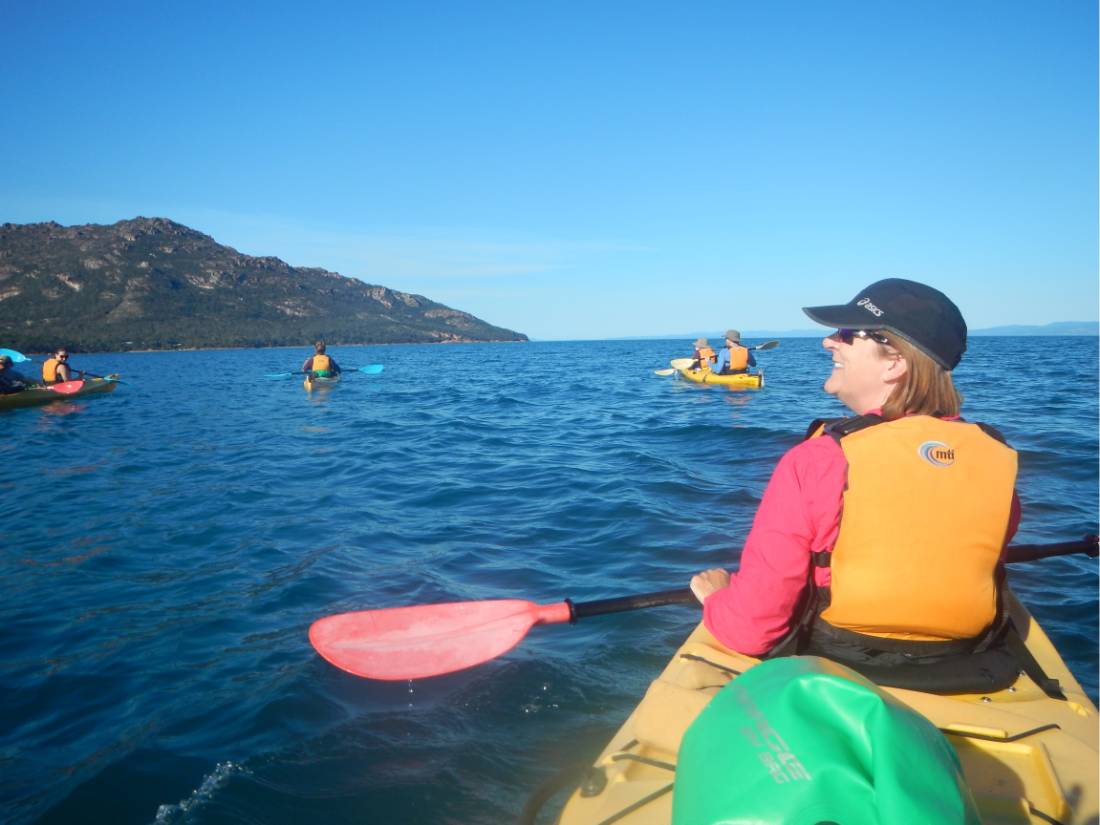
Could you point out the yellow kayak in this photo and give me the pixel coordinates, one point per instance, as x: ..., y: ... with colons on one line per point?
x: 1028, y: 759
x: 317, y: 382
x: 750, y: 380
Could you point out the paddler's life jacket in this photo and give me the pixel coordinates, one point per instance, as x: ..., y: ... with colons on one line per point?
x: 704, y: 357
x: 49, y: 371
x: 739, y: 360
x: 923, y: 522
x: 916, y: 570
x: 322, y: 365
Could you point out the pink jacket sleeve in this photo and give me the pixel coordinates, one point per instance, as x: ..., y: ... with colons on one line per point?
x: 799, y: 514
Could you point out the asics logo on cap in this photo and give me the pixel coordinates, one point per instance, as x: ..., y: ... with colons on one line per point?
x: 937, y: 453
x: 870, y: 307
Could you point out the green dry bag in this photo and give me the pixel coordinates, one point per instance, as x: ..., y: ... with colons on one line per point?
x: 801, y: 741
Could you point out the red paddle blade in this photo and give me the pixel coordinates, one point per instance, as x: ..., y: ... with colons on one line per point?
x: 427, y: 640
x: 67, y: 387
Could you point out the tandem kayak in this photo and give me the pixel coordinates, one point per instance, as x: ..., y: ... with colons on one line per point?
x: 1027, y: 758
x: 35, y: 396
x: 319, y: 382
x: 749, y: 380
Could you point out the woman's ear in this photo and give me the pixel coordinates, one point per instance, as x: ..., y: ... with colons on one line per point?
x: 895, y: 368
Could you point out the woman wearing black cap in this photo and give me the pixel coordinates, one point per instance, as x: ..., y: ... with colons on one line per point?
x: 878, y: 539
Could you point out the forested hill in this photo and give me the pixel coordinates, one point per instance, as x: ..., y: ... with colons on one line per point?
x: 150, y: 283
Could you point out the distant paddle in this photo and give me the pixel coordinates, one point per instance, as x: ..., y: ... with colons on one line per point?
x: 17, y: 357
x: 369, y: 369
x: 418, y: 641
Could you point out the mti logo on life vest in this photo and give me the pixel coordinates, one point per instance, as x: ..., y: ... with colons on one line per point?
x: 937, y: 453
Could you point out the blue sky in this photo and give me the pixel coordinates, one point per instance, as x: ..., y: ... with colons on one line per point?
x: 584, y: 170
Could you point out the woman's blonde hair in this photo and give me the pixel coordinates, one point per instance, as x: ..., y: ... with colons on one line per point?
x: 925, y: 389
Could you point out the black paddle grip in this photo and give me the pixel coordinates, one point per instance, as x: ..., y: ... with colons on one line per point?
x: 643, y: 600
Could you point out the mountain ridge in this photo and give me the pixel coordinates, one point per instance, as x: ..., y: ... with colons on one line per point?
x: 152, y: 283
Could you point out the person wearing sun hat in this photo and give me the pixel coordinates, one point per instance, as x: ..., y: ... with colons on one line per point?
x: 703, y: 356
x: 879, y: 537
x: 734, y: 358
x: 11, y: 381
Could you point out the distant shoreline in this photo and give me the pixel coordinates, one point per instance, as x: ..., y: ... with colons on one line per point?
x: 307, y: 346
x: 750, y: 336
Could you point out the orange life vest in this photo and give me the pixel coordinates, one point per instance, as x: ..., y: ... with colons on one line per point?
x: 923, y: 523
x: 706, y: 357
x: 49, y: 371
x: 739, y: 358
x: 321, y: 363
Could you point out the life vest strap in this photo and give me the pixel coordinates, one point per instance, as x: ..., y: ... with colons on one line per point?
x: 1030, y: 665
x: 840, y: 427
x: 846, y: 426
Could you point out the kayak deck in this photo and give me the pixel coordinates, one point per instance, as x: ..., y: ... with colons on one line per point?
x: 1027, y: 758
x: 36, y: 396
x: 317, y: 382
x: 748, y: 380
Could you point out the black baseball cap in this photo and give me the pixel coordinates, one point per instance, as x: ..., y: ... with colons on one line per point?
x: 923, y: 316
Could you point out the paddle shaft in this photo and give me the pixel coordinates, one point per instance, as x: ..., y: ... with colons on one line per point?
x: 1015, y: 554
x: 1031, y: 552
x: 369, y: 369
x: 584, y: 610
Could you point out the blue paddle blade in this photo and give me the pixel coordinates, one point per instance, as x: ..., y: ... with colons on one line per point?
x: 371, y: 369
x: 19, y: 357
x: 278, y: 375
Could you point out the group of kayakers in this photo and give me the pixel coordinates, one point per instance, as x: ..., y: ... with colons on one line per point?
x: 55, y: 370
x: 732, y: 359
x: 879, y: 539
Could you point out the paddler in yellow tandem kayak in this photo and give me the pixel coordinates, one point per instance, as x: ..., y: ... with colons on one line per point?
x: 730, y: 366
x: 872, y: 584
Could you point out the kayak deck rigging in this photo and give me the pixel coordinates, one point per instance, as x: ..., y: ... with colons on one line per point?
x: 1026, y: 757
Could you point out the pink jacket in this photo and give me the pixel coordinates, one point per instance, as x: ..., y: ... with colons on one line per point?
x: 799, y: 515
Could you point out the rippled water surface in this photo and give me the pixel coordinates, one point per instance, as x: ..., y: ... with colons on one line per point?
x: 166, y: 548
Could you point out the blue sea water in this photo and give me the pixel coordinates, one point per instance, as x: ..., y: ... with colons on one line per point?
x: 167, y: 547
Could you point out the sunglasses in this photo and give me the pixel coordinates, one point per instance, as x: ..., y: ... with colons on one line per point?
x: 846, y: 336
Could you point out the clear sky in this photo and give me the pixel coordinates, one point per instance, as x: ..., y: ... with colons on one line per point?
x: 583, y: 169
